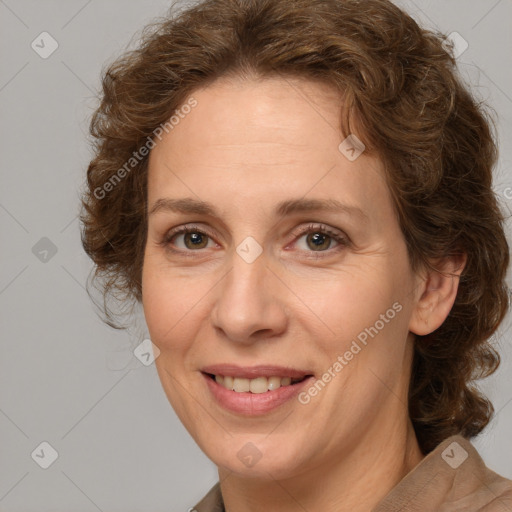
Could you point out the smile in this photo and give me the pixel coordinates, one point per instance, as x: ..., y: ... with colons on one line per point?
x: 255, y: 390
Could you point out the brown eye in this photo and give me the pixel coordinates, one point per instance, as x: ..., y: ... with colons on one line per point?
x: 319, y: 238
x: 318, y: 241
x: 195, y: 240
x: 187, y: 239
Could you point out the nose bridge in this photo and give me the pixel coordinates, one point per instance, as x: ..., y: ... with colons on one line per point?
x: 245, y: 277
x: 246, y: 304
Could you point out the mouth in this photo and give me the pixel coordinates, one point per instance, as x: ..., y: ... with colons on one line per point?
x: 256, y: 390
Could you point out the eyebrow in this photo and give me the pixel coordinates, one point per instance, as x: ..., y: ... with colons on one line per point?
x: 284, y: 208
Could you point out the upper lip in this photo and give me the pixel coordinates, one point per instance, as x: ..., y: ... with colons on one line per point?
x: 251, y: 372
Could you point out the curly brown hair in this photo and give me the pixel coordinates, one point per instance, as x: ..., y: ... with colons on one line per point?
x: 401, y: 83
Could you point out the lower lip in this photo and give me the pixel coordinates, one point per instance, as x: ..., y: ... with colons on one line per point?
x: 253, y: 404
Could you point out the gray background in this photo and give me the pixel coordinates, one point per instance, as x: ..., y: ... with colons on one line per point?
x: 66, y: 378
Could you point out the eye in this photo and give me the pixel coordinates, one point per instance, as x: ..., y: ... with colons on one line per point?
x: 320, y: 238
x: 187, y: 238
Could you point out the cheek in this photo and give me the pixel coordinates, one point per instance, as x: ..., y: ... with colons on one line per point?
x: 171, y: 304
x: 347, y: 304
x: 162, y: 310
x: 155, y: 303
x: 161, y: 302
x: 370, y: 322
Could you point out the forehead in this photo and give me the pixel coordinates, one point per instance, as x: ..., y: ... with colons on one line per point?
x: 273, y: 111
x: 267, y: 138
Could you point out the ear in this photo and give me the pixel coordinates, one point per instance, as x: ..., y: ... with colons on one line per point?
x: 436, y: 292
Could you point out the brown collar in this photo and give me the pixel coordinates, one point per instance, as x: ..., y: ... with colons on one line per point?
x: 451, y: 477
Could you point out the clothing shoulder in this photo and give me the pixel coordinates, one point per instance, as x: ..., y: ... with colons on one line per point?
x: 453, y: 477
x: 212, y: 502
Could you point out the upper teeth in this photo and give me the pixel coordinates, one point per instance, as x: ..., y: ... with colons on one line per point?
x: 257, y: 385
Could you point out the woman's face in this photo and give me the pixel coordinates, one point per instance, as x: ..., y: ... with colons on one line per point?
x: 293, y: 267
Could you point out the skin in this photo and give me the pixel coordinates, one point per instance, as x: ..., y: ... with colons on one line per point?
x: 248, y: 145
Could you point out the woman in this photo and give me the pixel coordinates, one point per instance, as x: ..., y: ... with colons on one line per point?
x: 299, y: 194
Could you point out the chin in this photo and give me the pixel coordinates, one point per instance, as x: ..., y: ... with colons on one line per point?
x: 248, y: 457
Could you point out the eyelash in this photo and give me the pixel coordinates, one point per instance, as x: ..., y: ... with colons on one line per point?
x: 343, y: 241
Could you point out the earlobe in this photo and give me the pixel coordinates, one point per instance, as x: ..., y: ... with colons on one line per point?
x: 436, y: 294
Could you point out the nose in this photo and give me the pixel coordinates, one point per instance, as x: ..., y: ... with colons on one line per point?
x: 249, y: 306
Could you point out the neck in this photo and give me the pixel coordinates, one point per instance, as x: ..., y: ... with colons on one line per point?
x: 354, y: 482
